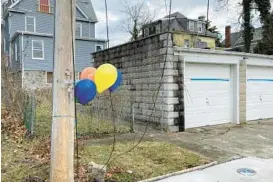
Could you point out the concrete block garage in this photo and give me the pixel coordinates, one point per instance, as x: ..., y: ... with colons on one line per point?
x: 199, y: 88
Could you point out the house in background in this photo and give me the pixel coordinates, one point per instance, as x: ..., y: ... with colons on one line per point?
x: 188, y: 33
x: 28, y: 38
x: 235, y: 41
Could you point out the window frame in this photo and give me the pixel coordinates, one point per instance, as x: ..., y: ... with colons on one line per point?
x: 146, y: 31
x: 191, y: 23
x: 199, y: 25
x: 43, y: 49
x: 78, y: 23
x: 15, y: 52
x: 96, y: 47
x: 157, y: 28
x: 188, y: 41
x: 34, y: 23
x: 48, y: 5
x: 47, y: 77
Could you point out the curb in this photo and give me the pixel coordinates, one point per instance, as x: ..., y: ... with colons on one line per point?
x: 180, y: 172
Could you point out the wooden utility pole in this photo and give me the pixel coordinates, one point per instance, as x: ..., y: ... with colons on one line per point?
x: 63, y: 117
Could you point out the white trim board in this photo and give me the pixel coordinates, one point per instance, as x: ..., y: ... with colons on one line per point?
x: 81, y: 11
x: 43, y: 49
x: 14, y: 4
x: 34, y: 23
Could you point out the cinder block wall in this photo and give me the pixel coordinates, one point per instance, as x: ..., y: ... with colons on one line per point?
x: 242, y: 90
x: 141, y: 63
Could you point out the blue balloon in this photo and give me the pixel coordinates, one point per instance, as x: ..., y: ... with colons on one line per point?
x: 117, y: 83
x: 85, y: 91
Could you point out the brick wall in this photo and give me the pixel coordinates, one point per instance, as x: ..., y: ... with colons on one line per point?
x: 141, y: 63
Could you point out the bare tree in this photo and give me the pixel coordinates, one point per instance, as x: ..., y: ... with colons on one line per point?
x: 136, y: 15
x: 248, y: 8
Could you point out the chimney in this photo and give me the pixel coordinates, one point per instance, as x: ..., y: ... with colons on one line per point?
x: 228, y: 36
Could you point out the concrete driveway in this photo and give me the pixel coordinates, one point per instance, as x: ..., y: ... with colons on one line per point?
x: 228, y: 172
x: 224, y: 142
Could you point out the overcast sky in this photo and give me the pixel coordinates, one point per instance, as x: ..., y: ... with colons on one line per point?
x: 190, y: 8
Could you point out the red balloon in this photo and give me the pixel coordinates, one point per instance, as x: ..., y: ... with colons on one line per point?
x: 85, y: 73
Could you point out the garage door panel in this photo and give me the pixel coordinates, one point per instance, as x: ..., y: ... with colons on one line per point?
x: 207, y: 94
x: 259, y: 92
x: 199, y: 110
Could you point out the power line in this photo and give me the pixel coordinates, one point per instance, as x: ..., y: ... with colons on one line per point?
x: 111, y: 99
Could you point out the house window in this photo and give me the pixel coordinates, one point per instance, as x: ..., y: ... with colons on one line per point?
x: 49, y: 77
x: 78, y: 30
x: 99, y: 47
x: 37, y: 49
x: 191, y: 26
x: 200, y: 27
x: 157, y: 28
x: 30, y: 24
x: 146, y: 32
x: 187, y: 43
x: 44, y: 6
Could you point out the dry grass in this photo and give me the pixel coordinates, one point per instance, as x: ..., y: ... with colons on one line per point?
x: 88, y: 124
x: 149, y: 159
x: 18, y: 163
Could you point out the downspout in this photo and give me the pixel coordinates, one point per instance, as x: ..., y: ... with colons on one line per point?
x: 22, y: 60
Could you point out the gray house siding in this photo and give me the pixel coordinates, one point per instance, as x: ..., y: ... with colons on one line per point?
x: 83, y: 50
x: 79, y: 14
x: 83, y: 53
x: 34, y: 71
x: 16, y: 64
x: 17, y: 22
x: 35, y: 64
x: 44, y: 21
x: 6, y: 35
x: 92, y: 30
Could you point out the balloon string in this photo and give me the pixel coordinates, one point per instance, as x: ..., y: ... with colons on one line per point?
x: 114, y: 128
x: 156, y: 93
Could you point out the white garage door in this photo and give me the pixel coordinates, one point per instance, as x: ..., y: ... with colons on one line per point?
x: 259, y: 93
x: 207, y: 94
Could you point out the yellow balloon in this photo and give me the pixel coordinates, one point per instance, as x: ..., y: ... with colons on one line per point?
x: 105, y: 76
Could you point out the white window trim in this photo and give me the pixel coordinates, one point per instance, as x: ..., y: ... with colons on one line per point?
x: 199, y: 24
x: 98, y: 45
x: 81, y: 11
x: 42, y: 49
x: 191, y: 22
x: 16, y: 52
x: 80, y: 28
x: 49, y: 8
x: 187, y: 40
x: 34, y: 23
x: 157, y: 28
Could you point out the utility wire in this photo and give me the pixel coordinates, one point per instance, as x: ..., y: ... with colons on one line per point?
x: 74, y: 82
x: 111, y: 99
x: 155, y: 93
